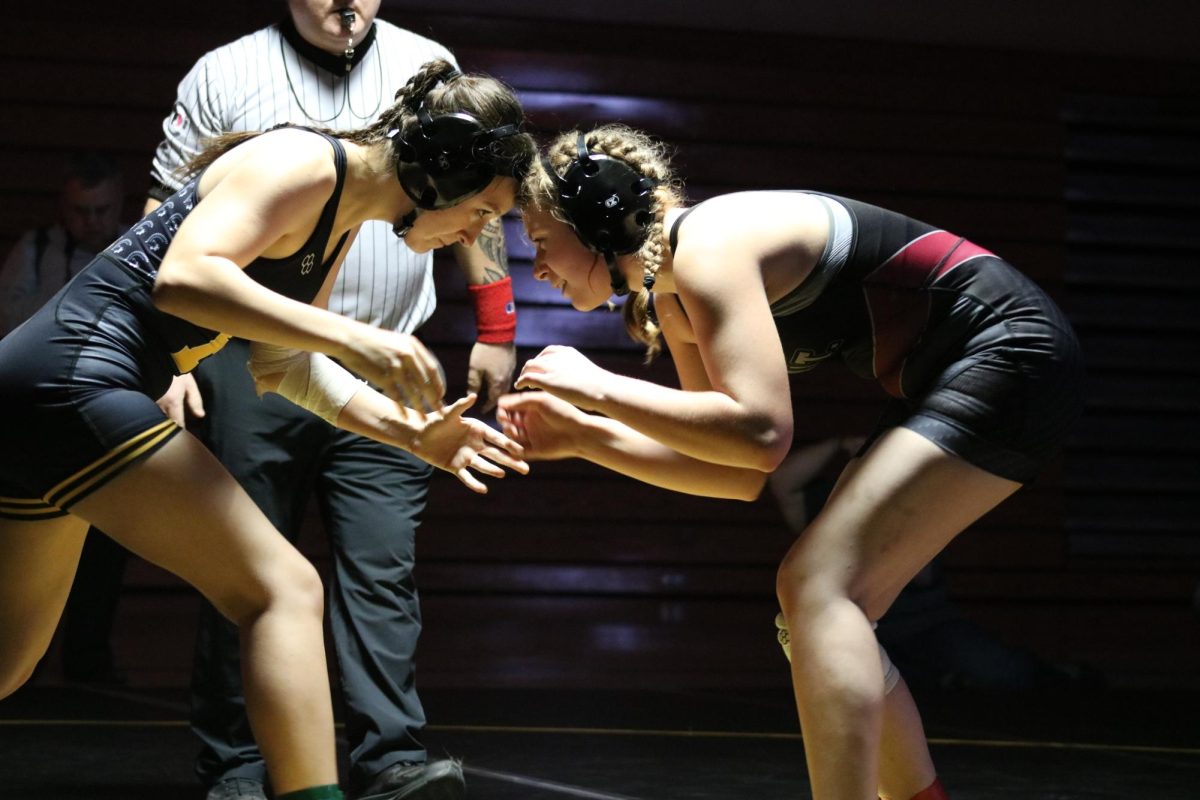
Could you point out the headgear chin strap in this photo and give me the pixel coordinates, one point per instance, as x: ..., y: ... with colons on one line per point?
x: 608, y: 203
x: 405, y: 224
x: 446, y: 159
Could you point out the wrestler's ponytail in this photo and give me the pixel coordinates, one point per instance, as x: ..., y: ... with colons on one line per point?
x: 214, y: 148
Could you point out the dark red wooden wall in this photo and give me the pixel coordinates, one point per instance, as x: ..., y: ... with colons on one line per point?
x: 1079, y: 167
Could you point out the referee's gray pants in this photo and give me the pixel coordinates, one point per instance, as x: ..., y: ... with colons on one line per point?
x: 371, y: 497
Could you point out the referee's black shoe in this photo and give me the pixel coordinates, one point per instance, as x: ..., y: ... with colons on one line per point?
x: 440, y: 780
x: 236, y: 789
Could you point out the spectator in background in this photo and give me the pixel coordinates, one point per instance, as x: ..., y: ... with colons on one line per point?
x: 45, y: 258
x: 41, y: 263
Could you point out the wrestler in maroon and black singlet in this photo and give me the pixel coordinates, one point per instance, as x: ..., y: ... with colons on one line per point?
x: 978, y: 358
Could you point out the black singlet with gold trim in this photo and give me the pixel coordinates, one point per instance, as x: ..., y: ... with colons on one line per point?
x: 298, y: 276
x: 79, y: 376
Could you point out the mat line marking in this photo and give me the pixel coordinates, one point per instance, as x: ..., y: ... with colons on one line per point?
x: 662, y: 733
x: 952, y: 742
x: 551, y: 786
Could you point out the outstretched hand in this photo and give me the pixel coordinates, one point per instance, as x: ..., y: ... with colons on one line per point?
x: 566, y: 373
x: 545, y: 426
x: 459, y: 444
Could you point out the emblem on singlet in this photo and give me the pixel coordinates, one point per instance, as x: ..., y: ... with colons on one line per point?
x: 803, y: 360
x: 307, y: 264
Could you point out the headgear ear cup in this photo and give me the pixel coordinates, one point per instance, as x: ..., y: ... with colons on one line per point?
x: 446, y: 159
x: 608, y: 203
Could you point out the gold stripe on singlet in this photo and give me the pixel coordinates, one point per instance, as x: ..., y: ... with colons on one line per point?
x: 28, y: 509
x: 105, y: 467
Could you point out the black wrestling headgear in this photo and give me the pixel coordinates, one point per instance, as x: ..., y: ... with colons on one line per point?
x: 608, y: 203
x: 448, y: 158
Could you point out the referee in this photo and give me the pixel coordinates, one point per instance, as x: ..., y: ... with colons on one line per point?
x: 330, y: 65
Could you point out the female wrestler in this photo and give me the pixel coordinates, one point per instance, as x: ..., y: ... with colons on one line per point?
x: 249, y: 247
x: 748, y: 287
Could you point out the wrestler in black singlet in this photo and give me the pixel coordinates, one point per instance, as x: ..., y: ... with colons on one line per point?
x: 80, y: 377
x: 979, y: 359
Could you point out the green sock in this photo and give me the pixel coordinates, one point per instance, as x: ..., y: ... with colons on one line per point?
x: 330, y: 792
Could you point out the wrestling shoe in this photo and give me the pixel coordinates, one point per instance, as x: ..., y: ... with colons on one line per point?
x: 441, y: 780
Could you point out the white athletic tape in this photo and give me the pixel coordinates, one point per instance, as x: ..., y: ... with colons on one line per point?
x: 891, y: 675
x: 310, y: 380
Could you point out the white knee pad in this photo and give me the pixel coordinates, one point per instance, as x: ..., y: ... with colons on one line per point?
x: 891, y: 675
x: 310, y: 380
x: 782, y: 635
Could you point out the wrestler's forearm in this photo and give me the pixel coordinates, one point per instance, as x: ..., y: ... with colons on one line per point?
x: 710, y: 426
x: 371, y: 414
x: 217, y: 294
x: 618, y: 447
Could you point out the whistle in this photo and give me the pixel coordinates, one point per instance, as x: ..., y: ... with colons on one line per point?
x: 348, y: 17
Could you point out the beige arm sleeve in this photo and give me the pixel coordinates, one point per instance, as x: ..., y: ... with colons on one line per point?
x: 310, y: 380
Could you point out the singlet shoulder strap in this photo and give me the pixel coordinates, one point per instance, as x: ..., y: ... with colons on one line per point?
x: 333, y: 255
x: 325, y: 222
x: 674, y: 239
x: 339, y: 157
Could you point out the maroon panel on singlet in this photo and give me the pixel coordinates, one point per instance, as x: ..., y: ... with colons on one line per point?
x: 899, y: 309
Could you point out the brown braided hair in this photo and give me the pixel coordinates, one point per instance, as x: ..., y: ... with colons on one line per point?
x: 487, y: 99
x: 651, y: 159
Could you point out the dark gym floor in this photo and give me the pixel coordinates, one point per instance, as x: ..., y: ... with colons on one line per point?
x: 68, y: 743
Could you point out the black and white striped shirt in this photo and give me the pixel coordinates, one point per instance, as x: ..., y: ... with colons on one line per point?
x: 261, y: 80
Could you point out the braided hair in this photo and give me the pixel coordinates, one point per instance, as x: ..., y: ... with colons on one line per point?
x: 649, y: 158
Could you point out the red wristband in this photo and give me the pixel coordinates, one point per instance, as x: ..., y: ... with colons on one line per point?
x: 495, y: 311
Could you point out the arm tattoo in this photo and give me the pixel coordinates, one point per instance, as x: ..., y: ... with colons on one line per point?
x: 491, y: 243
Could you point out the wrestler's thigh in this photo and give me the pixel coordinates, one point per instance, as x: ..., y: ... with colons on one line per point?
x: 896, y: 508
x: 180, y: 509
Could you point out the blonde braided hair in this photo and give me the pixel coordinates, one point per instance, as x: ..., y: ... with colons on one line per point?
x: 648, y: 157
